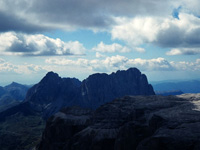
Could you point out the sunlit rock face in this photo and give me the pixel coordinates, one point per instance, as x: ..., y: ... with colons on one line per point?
x: 53, y: 92
x: 131, y: 122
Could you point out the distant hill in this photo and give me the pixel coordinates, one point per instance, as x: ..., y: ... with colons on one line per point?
x: 166, y: 93
x: 12, y: 95
x: 192, y: 86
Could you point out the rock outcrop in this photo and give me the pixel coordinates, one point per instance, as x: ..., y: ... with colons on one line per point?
x: 98, y: 89
x: 128, y: 123
x: 53, y: 92
x: 66, y: 124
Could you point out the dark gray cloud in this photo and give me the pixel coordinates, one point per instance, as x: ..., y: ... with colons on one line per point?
x: 10, y: 22
x: 176, y: 36
x: 151, y: 21
x: 32, y: 16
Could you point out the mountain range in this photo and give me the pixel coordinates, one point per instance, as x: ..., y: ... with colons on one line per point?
x: 53, y: 93
x: 117, y: 111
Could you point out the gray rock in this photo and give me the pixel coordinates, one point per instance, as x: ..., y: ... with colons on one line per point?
x: 131, y: 122
x: 64, y: 125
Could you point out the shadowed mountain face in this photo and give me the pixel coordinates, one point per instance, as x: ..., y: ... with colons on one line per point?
x: 2, y: 91
x: 98, y: 89
x: 20, y: 126
x: 129, y: 123
x: 52, y: 92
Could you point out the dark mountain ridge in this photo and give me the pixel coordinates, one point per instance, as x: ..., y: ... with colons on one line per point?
x: 98, y: 89
x: 53, y: 92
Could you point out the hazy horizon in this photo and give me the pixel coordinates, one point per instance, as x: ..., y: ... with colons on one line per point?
x: 150, y: 81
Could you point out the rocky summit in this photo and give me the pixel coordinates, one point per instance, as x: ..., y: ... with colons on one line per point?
x: 53, y: 92
x: 128, y: 123
x: 98, y: 89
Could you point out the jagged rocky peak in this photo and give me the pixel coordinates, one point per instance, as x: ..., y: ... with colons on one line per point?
x: 100, y: 88
x: 53, y: 92
x: 51, y: 77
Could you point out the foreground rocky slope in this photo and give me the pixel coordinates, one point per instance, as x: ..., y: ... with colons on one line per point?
x: 132, y: 122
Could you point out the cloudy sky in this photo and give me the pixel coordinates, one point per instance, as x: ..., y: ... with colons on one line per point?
x: 76, y: 38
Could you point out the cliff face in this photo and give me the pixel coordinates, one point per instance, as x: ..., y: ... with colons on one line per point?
x: 132, y: 122
x: 65, y: 124
x: 52, y: 92
x: 98, y: 89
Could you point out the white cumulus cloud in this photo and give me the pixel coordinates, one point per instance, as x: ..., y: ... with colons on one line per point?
x: 184, y: 51
x: 12, y: 43
x: 115, y: 47
x: 99, y: 55
x: 113, y: 63
x: 165, y: 32
x: 27, y: 69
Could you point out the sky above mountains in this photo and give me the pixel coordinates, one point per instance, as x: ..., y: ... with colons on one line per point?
x: 76, y: 38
